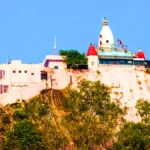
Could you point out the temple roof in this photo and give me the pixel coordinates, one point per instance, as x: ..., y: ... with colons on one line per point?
x: 140, y: 54
x: 91, y: 51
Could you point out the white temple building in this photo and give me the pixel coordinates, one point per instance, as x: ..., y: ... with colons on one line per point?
x: 106, y: 38
x: 16, y: 77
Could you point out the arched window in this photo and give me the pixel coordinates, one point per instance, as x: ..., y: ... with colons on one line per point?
x: 107, y: 41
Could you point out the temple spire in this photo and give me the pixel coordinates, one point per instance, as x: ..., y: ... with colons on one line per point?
x: 105, y: 22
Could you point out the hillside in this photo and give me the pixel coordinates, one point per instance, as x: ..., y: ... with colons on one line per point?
x: 60, y: 119
x: 128, y: 85
x: 72, y: 119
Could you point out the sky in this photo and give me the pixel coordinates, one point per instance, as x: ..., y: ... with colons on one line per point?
x: 28, y: 27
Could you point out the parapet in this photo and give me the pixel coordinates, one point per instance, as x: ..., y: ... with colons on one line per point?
x: 16, y: 62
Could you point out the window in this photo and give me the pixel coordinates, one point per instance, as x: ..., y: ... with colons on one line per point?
x: 107, y: 41
x: 19, y: 71
x: 32, y: 73
x: 25, y: 71
x: 44, y: 76
x: 55, y: 67
x: 2, y: 74
x: 93, y: 63
x: 14, y: 71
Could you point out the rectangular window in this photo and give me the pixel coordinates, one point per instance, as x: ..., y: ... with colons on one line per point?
x: 1, y: 90
x: 55, y: 67
x: 32, y: 74
x: 25, y: 71
x: 130, y: 62
x: 5, y: 88
x: 19, y: 71
x: 93, y: 63
x: 14, y: 71
x: 2, y: 74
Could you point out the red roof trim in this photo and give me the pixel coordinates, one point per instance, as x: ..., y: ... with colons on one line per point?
x: 140, y: 54
x: 91, y: 51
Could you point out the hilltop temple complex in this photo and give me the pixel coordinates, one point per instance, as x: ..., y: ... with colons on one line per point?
x: 16, y: 77
x: 109, y: 52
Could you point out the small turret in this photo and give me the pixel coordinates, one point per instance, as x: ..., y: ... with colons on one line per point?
x: 140, y: 54
x: 92, y: 57
x: 91, y: 51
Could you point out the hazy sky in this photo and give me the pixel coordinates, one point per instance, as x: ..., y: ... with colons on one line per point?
x: 28, y: 27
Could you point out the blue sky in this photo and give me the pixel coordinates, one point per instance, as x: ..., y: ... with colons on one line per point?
x: 28, y: 27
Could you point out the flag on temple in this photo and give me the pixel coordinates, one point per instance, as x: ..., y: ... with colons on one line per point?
x: 119, y: 42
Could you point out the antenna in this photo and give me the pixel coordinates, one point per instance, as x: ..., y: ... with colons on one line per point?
x: 55, y: 45
x: 8, y: 58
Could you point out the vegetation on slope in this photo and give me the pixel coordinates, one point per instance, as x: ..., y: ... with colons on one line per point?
x: 83, y: 119
x: 135, y: 136
x: 147, y: 70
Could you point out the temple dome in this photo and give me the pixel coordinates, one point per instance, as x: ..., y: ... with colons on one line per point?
x: 91, y: 51
x: 140, y: 54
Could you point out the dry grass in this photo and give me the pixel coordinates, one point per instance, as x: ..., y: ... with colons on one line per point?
x: 116, y: 93
x: 147, y: 71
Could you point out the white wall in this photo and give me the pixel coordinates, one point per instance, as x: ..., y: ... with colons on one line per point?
x: 52, y: 63
x: 60, y: 65
x: 17, y: 73
x: 92, y: 61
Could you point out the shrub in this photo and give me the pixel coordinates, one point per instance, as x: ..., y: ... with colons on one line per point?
x: 24, y: 136
x: 139, y: 82
x: 116, y: 93
x: 6, y: 119
x: 19, y: 115
x: 98, y: 72
x: 147, y: 71
x: 131, y: 90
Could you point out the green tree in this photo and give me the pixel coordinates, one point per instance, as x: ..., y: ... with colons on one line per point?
x: 133, y: 136
x: 92, y: 118
x: 143, y: 109
x: 40, y: 111
x: 136, y: 136
x: 23, y: 137
x: 73, y: 57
